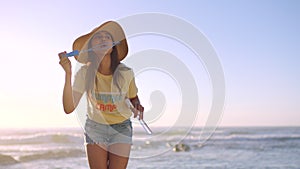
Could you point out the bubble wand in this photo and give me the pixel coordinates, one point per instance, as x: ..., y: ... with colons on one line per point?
x: 142, y: 122
x: 98, y: 47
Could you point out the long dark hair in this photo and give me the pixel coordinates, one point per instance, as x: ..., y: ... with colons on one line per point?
x: 91, y: 77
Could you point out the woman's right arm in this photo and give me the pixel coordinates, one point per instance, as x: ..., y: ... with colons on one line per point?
x: 70, y: 98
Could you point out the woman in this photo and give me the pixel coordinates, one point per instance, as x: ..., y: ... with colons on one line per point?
x: 107, y: 83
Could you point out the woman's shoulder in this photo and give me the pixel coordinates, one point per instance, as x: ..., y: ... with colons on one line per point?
x: 125, y: 71
x: 81, y: 70
x: 123, y: 67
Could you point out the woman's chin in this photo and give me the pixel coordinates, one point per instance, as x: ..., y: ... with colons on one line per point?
x: 102, y: 53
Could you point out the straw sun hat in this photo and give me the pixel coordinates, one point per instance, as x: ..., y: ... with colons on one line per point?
x: 111, y: 27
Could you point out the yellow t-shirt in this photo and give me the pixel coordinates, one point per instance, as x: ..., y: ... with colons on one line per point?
x: 106, y: 104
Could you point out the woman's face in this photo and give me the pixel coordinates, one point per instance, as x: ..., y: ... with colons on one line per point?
x: 102, y: 43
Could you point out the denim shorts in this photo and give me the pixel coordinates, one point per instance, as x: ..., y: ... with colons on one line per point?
x: 96, y: 133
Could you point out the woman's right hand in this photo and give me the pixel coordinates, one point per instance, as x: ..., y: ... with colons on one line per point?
x: 65, y: 62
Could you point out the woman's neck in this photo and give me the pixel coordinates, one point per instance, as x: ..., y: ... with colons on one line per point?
x: 104, y: 67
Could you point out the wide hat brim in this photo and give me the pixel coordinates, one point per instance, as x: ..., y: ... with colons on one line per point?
x: 111, y: 27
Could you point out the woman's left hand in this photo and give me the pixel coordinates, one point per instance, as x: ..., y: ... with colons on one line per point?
x: 139, y: 108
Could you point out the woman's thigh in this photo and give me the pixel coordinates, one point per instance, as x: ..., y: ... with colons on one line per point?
x: 97, y: 156
x: 118, y: 155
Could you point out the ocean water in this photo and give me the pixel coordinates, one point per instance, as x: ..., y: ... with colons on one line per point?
x: 254, y: 147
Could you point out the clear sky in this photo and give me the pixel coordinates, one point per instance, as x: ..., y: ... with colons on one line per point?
x: 257, y: 42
